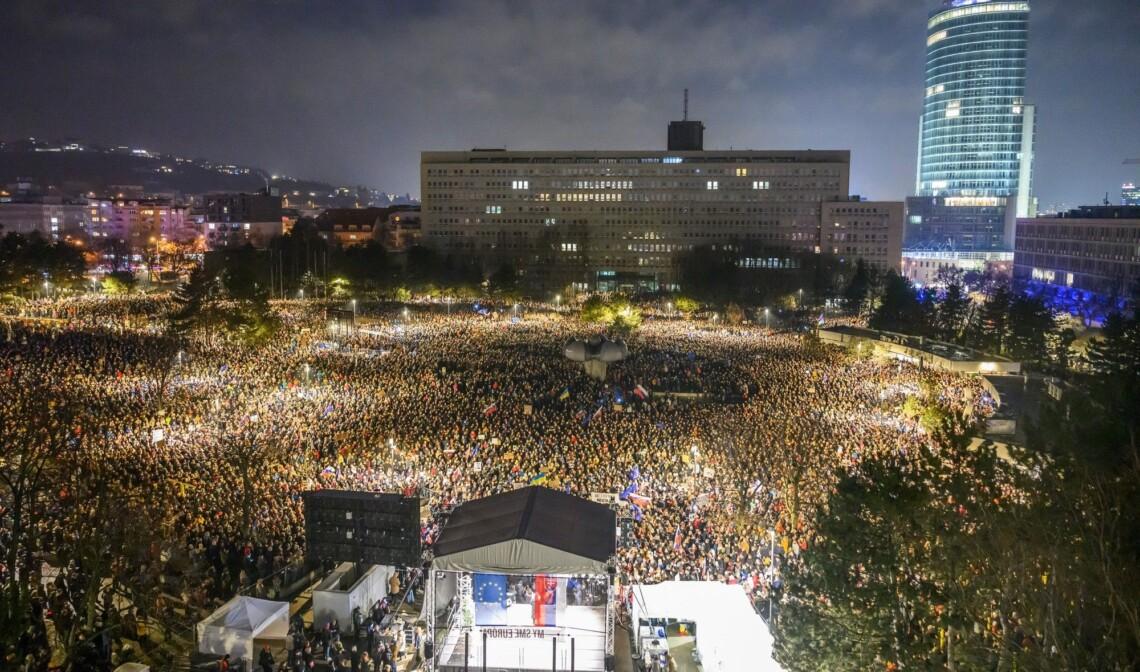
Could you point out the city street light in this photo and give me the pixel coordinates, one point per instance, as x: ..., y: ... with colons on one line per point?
x: 801, y: 293
x: 405, y: 313
x: 766, y: 321
x: 306, y: 373
x: 771, y: 570
x: 557, y: 301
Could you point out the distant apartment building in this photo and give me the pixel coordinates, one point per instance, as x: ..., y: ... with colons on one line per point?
x: 619, y: 220
x: 1093, y: 249
x: 402, y: 230
x: 51, y: 217
x: 25, y: 210
x: 350, y: 226
x: 238, y: 219
x: 137, y: 222
x: 357, y: 226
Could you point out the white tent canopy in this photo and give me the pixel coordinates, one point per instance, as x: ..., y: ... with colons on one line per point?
x: 236, y: 624
x: 731, y: 636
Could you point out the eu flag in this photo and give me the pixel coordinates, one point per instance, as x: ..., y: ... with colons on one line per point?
x: 490, y: 593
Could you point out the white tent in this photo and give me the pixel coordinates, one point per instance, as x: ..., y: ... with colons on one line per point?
x: 730, y: 635
x: 331, y: 599
x: 236, y: 624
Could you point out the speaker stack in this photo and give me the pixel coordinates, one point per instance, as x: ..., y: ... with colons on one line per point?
x: 365, y: 527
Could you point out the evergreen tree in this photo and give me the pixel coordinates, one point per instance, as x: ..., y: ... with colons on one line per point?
x: 901, y: 309
x: 952, y: 313
x: 190, y: 301
x: 858, y: 289
x: 990, y: 330
x: 1030, y: 327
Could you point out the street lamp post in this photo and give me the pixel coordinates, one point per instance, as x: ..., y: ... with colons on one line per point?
x: 557, y: 302
x: 771, y: 569
x: 767, y: 322
x: 306, y: 373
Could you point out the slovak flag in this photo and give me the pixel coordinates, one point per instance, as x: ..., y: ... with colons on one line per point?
x: 490, y: 409
x: 545, y: 601
x: 641, y: 392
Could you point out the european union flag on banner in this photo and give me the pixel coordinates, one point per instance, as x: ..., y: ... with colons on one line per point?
x: 490, y: 594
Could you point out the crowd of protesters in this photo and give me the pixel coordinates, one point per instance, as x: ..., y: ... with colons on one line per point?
x: 721, y: 440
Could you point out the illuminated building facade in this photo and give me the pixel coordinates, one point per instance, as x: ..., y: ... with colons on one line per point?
x: 976, y: 133
x: 618, y: 220
x: 1129, y: 194
x: 1092, y: 249
x: 137, y: 222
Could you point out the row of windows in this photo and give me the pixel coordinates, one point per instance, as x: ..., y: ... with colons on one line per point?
x: 522, y: 173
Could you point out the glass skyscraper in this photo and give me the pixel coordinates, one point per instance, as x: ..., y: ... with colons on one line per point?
x: 975, y: 153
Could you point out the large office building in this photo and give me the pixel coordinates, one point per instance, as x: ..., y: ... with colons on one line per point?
x: 976, y: 133
x: 619, y: 220
x: 1091, y: 249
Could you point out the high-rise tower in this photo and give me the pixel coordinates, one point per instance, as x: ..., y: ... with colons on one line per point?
x: 975, y: 151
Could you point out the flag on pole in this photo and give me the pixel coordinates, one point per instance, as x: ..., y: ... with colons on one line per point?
x: 490, y: 409
x: 565, y: 395
x: 641, y: 392
x: 820, y: 320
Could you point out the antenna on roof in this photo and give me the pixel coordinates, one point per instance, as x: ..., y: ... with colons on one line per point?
x: 686, y: 117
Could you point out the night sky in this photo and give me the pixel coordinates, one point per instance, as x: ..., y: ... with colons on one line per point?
x: 351, y: 90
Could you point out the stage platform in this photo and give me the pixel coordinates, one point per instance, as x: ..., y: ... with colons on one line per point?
x: 519, y: 646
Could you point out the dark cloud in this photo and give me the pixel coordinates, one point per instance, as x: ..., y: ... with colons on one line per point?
x: 352, y: 90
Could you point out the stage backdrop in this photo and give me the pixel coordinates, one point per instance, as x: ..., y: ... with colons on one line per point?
x: 515, y: 600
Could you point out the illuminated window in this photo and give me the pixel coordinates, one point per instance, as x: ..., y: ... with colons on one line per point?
x: 759, y: 184
x: 742, y: 172
x: 712, y: 185
x: 520, y: 184
x: 494, y: 210
x: 569, y: 247
x: 671, y: 159
x: 936, y: 38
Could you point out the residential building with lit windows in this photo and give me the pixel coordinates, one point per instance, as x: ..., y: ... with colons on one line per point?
x: 1093, y: 249
x: 137, y: 222
x: 976, y: 132
x: 617, y: 220
x: 238, y: 219
x: 52, y: 217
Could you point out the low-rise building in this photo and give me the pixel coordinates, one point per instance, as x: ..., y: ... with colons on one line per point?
x: 923, y: 267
